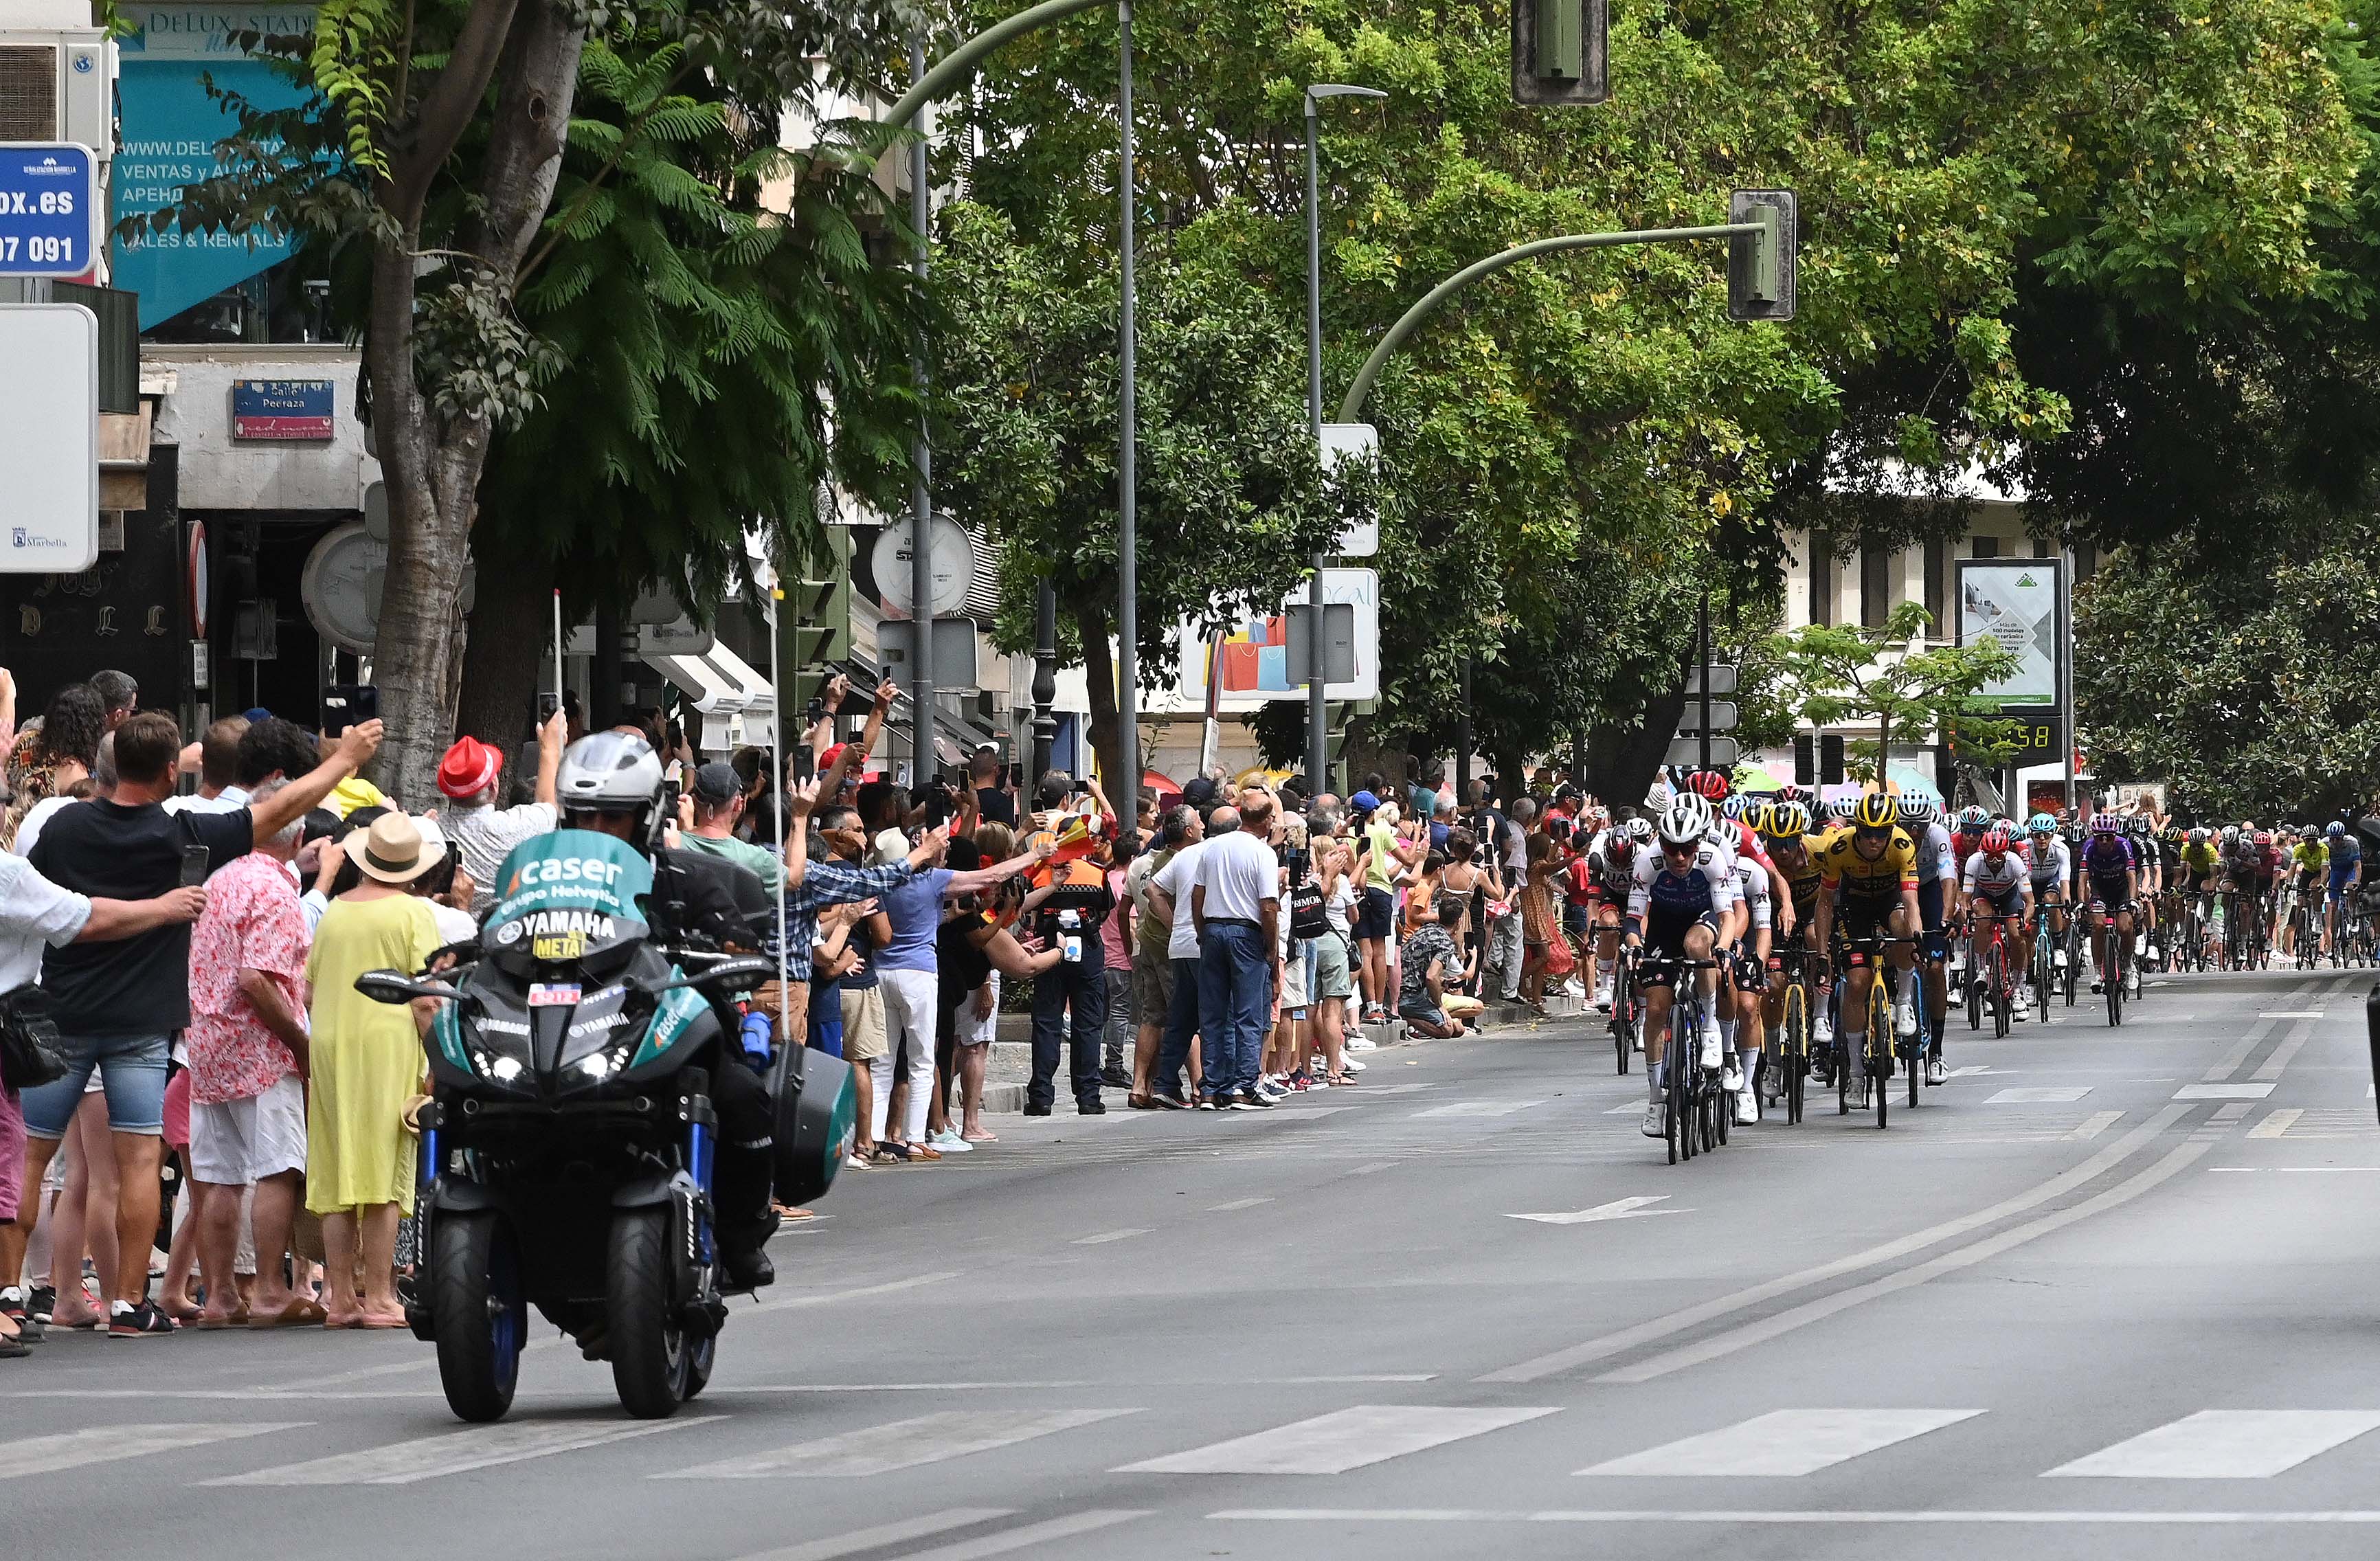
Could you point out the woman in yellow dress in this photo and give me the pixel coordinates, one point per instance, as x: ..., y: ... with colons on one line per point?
x: 366, y: 1062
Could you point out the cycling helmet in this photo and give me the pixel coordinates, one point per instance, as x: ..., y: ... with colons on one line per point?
x: 1785, y: 821
x: 2042, y: 824
x: 2335, y: 829
x: 2197, y: 837
x: 2231, y: 834
x: 610, y: 772
x: 1996, y: 843
x: 1688, y: 819
x: 1737, y: 808
x: 1918, y: 809
x: 1839, y: 810
x: 2106, y: 824
x: 1637, y: 832
x: 1973, y: 819
x: 2265, y: 837
x: 1708, y: 784
x: 1875, y: 810
x: 1791, y: 793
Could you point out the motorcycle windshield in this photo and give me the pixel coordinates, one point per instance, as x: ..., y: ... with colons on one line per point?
x: 564, y: 897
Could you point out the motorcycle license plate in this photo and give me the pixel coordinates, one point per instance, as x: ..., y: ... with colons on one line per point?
x: 552, y: 993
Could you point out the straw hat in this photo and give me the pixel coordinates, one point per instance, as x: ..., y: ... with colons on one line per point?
x: 392, y: 850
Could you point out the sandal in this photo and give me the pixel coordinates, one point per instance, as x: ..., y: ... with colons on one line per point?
x: 1139, y: 1103
x: 980, y: 1136
x: 299, y: 1313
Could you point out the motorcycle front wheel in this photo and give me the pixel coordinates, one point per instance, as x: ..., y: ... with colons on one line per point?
x: 475, y: 1305
x: 653, y: 1359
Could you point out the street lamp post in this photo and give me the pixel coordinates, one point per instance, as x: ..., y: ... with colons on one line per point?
x: 1127, y: 796
x: 921, y: 510
x: 1318, y: 712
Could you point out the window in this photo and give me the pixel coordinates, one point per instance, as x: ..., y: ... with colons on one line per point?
x: 1986, y: 546
x: 1875, y: 585
x: 2086, y: 560
x: 1937, y: 568
x: 1822, y: 577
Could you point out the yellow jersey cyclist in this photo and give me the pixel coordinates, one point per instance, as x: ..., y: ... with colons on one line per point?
x: 2309, y: 862
x: 1783, y: 827
x: 1868, y: 877
x: 2201, y: 871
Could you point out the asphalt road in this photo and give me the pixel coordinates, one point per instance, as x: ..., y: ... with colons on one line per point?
x: 2107, y: 1293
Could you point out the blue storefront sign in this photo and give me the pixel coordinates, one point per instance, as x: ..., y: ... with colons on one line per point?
x: 281, y: 408
x: 49, y: 209
x: 169, y: 127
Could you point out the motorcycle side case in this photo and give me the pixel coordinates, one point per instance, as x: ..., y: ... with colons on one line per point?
x: 817, y: 1112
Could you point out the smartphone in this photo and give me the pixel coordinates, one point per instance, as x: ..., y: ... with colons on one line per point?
x: 349, y: 704
x: 194, y: 865
x: 546, y: 705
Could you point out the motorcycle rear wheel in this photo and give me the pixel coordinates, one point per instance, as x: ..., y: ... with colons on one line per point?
x: 653, y: 1359
x: 482, y: 1321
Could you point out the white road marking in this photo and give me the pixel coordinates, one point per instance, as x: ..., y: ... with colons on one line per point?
x: 1976, y: 1071
x: 901, y: 1444
x: 2093, y: 1125
x: 1395, y: 1089
x: 2231, y: 1060
x: 1104, y: 1237
x: 47, y: 1453
x: 1237, y: 1203
x: 2293, y: 1013
x: 790, y: 1302
x: 1785, y: 1322
x: 1027, y: 1537
x: 2059, y: 1516
x: 1679, y: 1320
x: 1629, y: 1109
x: 2285, y: 1053
x: 2224, y: 1445
x: 1785, y: 1442
x: 1624, y: 1208
x: 2277, y: 1124
x: 2223, y: 1092
x: 2038, y: 1094
x: 457, y: 1452
x: 1375, y: 1166
x: 1479, y: 1108
x: 883, y: 1534
x: 1335, y: 1443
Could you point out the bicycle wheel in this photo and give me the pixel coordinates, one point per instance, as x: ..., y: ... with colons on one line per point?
x: 1796, y: 1058
x: 1623, y: 1020
x: 1877, y: 1060
x: 1977, y: 987
x: 2002, y: 999
x: 2114, y: 975
x: 1674, y: 1130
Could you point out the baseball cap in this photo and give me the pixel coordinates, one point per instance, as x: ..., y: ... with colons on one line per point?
x: 469, y: 766
x: 1198, y: 791
x: 1364, y: 802
x: 717, y: 782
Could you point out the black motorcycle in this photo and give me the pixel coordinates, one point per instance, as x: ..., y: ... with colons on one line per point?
x: 566, y: 1152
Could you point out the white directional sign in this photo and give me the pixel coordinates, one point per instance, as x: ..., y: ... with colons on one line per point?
x: 1722, y: 716
x: 49, y: 439
x: 1722, y: 680
x: 1688, y: 751
x: 1342, y: 442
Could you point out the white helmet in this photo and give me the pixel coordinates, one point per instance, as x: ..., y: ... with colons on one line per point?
x: 1688, y: 819
x: 1638, y: 830
x: 610, y: 772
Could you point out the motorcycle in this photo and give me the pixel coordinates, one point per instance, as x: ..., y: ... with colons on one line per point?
x: 567, y: 1151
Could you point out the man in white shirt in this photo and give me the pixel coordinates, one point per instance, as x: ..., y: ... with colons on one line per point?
x: 481, y: 833
x: 1170, y: 890
x: 1236, y: 906
x: 218, y: 761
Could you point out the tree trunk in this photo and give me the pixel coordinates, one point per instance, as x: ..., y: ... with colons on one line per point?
x: 1621, y: 760
x: 507, y: 658
x: 432, y: 464
x: 1123, y: 784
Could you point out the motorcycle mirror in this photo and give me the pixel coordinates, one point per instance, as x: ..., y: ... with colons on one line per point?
x: 749, y: 971
x: 394, y: 986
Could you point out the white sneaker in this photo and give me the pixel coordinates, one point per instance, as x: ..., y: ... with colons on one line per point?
x: 1710, y: 1048
x: 2140, y: 943
x: 1905, y: 1019
x: 2023, y: 1012
x: 1731, y: 1078
x: 2058, y: 957
x: 1657, y: 1121
x: 950, y: 1142
x: 1349, y: 1064
x: 1361, y: 1043
x: 1823, y: 1032
x: 1747, y: 1109
x: 1603, y: 998
x: 2153, y: 953
x: 2132, y: 984
x: 1937, y: 1070
x: 1855, y: 1092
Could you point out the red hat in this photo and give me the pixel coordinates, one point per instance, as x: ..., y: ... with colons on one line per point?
x: 826, y: 760
x: 470, y: 766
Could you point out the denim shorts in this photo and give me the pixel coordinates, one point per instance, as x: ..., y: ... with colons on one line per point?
x: 132, y: 1071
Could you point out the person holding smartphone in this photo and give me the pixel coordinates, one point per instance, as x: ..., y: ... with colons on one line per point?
x: 481, y: 833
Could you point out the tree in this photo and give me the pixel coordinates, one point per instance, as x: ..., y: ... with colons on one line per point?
x: 1231, y: 502
x: 1869, y: 677
x: 448, y: 363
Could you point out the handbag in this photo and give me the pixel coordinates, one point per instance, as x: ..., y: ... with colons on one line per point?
x: 30, y: 1052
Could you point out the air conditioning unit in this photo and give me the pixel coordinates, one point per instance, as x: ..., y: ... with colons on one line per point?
x: 57, y: 85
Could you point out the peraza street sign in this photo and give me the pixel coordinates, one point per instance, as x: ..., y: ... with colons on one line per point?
x: 49, y: 208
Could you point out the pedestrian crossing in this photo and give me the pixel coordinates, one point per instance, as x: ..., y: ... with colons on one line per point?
x: 1790, y: 1443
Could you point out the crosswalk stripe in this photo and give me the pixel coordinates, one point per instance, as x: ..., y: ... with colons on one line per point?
x: 1335, y: 1443
x: 1479, y: 1108
x: 2277, y: 1124
x: 2093, y: 1125
x: 2037, y: 1095
x: 904, y: 1444
x: 2224, y: 1445
x: 1028, y: 1536
x: 456, y: 1452
x: 1784, y: 1442
x: 107, y: 1444
x: 883, y: 1534
x: 2223, y: 1092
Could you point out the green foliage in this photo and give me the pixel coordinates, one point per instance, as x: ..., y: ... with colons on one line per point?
x: 2247, y: 688
x: 1869, y: 678
x: 354, y: 63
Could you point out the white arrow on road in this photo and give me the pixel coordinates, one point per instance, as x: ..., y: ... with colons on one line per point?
x: 1626, y: 1208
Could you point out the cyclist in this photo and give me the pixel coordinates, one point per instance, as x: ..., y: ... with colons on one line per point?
x: 1783, y: 828
x: 2048, y: 870
x: 2346, y: 860
x: 2111, y: 880
x: 2242, y: 863
x: 2268, y: 878
x: 1679, y: 898
x: 2309, y: 862
x: 2200, y: 866
x: 1998, y: 882
x: 1937, y: 888
x: 1742, y: 995
x: 1868, y: 873
x: 1611, y: 865
x: 2142, y: 832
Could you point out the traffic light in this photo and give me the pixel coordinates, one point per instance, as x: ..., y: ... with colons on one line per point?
x: 1559, y: 52
x: 1762, y: 267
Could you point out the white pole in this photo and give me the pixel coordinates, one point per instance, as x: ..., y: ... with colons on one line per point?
x: 777, y: 770
x: 557, y: 647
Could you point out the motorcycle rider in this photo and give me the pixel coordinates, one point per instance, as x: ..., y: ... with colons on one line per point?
x: 611, y: 783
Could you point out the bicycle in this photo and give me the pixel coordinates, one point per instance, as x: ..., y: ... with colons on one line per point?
x: 1625, y: 1017
x: 1790, y: 1055
x: 1880, y: 1044
x: 1695, y: 1110
x: 2046, y: 944
x: 2002, y: 996
x: 2118, y: 961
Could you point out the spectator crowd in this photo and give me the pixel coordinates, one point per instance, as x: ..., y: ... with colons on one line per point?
x: 186, y: 1065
